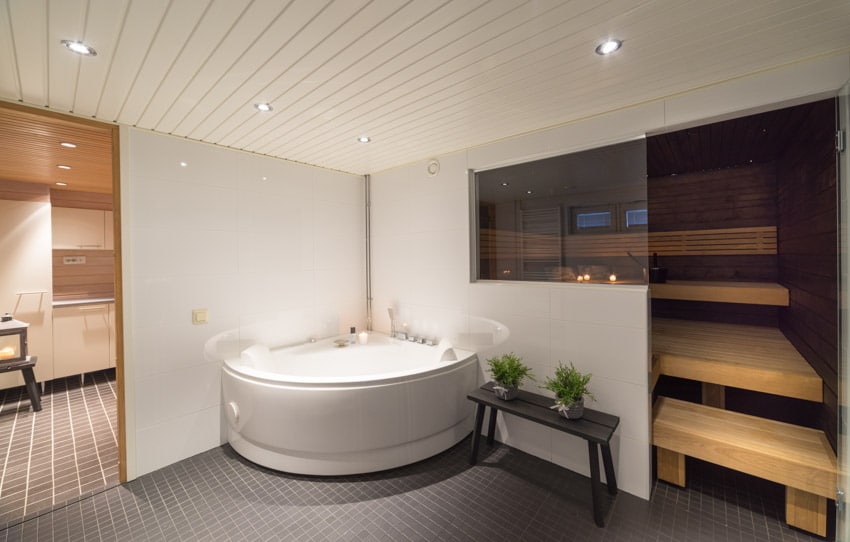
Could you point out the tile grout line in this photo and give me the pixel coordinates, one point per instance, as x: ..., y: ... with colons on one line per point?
x: 9, y: 447
x: 106, y: 412
x: 52, y: 449
x: 91, y: 428
x: 73, y: 437
x: 29, y: 463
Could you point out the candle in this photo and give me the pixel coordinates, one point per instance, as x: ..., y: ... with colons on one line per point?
x: 612, y: 277
x: 587, y: 276
x: 363, y: 338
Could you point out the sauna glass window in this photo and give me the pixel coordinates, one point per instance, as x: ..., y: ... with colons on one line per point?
x: 577, y: 217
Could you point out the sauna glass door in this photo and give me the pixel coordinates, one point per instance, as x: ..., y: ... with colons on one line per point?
x: 842, y: 517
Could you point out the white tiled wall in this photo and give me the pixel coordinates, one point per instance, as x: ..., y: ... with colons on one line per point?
x: 287, y: 250
x: 420, y: 258
x: 256, y: 240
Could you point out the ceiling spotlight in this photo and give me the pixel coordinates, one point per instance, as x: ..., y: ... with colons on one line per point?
x: 68, y: 145
x: 608, y: 47
x: 529, y: 192
x: 364, y: 139
x: 505, y: 184
x: 183, y: 164
x: 79, y: 47
x: 60, y: 183
x: 63, y: 166
x: 263, y: 106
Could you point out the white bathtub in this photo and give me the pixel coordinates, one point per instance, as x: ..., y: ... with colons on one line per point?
x: 320, y: 409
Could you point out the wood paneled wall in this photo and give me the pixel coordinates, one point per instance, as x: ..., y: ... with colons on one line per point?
x: 808, y: 249
x: 736, y: 197
x: 80, y: 200
x: 93, y: 279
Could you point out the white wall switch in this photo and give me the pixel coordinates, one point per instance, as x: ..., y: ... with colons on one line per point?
x: 200, y: 316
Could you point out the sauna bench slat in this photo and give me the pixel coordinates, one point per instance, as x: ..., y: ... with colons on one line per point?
x: 595, y: 427
x: 749, y: 357
x: 751, y: 293
x: 791, y: 455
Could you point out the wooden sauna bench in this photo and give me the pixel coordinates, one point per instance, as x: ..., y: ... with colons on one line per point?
x: 750, y: 357
x: 797, y: 457
x: 752, y: 293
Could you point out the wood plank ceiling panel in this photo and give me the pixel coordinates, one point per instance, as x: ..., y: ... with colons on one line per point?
x: 137, y: 32
x: 65, y: 20
x: 346, y: 32
x: 248, y: 31
x: 348, y: 61
x: 9, y: 84
x: 176, y: 27
x: 102, y: 16
x: 422, y: 78
x: 213, y: 28
x: 319, y: 96
x: 29, y: 31
x: 262, y: 49
x: 30, y: 151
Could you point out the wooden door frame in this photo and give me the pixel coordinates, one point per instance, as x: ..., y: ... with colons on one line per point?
x: 119, y: 297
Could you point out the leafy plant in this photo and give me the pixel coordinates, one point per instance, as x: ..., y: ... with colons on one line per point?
x: 509, y: 370
x: 569, y: 385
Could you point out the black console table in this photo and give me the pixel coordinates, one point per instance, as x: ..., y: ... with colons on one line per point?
x: 25, y: 366
x: 595, y: 427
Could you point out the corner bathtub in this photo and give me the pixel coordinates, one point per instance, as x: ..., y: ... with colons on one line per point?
x: 320, y: 409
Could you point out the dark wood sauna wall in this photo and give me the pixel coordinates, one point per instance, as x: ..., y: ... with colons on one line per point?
x: 808, y: 249
x: 732, y: 197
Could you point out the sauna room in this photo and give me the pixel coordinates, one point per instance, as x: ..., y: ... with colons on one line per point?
x: 743, y: 218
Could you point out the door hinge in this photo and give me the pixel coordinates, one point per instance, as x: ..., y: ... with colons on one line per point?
x: 839, y: 140
x: 839, y: 499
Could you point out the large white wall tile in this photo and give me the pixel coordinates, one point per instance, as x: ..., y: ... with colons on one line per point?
x: 614, y: 352
x: 272, y: 246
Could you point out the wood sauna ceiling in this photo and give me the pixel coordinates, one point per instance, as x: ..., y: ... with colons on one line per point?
x: 31, y: 151
x: 754, y: 139
x: 420, y: 77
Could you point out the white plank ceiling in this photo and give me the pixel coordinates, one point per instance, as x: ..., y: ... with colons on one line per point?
x: 420, y: 77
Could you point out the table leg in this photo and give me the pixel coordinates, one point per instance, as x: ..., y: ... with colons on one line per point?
x: 476, y: 433
x: 595, y: 491
x: 609, y: 469
x: 32, y: 389
x: 491, y: 427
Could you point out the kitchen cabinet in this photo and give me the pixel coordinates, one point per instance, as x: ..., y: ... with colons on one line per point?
x: 81, y: 339
x: 82, y: 229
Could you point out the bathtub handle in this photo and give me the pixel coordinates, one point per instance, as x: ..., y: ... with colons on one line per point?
x: 233, y: 412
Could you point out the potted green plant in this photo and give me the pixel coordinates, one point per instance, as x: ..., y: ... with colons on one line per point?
x: 570, y: 388
x: 508, y: 372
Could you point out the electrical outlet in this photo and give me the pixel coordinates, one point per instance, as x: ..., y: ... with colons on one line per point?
x: 200, y: 316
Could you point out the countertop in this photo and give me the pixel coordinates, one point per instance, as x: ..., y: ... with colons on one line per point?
x: 80, y: 302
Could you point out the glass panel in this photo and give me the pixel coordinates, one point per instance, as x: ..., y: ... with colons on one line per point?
x: 576, y: 217
x: 843, y: 527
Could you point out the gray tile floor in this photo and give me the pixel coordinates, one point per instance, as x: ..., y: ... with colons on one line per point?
x: 508, y: 495
x: 64, y: 452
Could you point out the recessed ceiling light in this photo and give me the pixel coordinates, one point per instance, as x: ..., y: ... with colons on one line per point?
x: 183, y: 164
x: 364, y: 139
x: 79, y: 47
x: 68, y: 145
x: 608, y: 47
x: 505, y: 184
x: 529, y: 192
x: 60, y: 183
x: 63, y: 166
x: 263, y: 106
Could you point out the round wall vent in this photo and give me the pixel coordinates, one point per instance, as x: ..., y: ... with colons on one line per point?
x: 433, y: 167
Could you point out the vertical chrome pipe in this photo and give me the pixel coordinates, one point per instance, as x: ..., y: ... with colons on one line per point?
x: 368, y: 188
